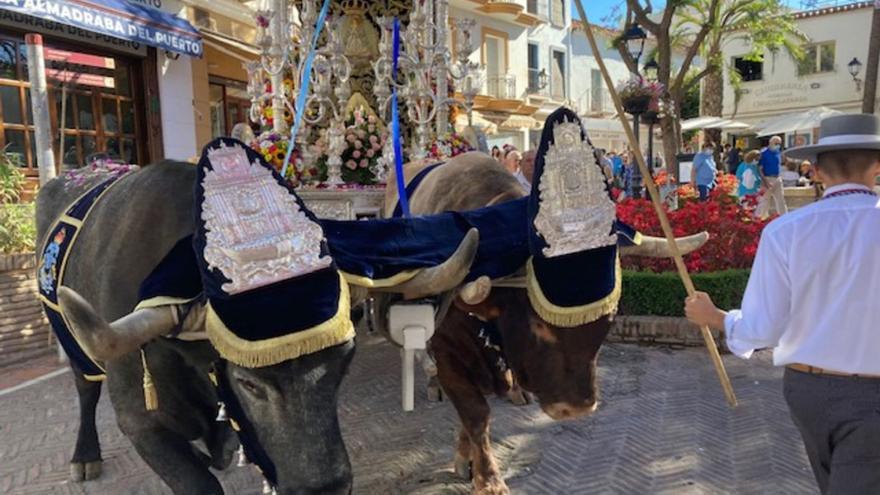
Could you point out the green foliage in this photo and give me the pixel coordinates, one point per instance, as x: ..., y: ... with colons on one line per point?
x: 11, y: 180
x: 690, y: 104
x: 18, y: 230
x: 662, y: 294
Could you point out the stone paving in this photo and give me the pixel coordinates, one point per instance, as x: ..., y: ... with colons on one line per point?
x: 663, y: 427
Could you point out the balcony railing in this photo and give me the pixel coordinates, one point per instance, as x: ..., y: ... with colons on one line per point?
x: 501, y: 86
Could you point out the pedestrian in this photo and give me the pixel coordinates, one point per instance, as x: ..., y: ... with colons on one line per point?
x: 817, y: 312
x: 734, y: 158
x: 805, y: 171
x: 496, y: 153
x: 513, y: 162
x: 748, y: 176
x: 770, y: 166
x: 704, y: 170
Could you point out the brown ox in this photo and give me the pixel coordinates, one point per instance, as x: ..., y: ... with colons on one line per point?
x: 557, y: 365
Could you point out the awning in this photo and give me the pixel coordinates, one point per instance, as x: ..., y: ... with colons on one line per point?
x: 797, y: 121
x: 712, y: 123
x: 116, y: 18
x: 244, y: 52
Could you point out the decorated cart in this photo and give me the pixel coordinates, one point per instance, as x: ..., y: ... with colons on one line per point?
x: 364, y: 60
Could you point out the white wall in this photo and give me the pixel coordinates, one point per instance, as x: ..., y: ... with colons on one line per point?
x: 782, y: 90
x: 176, y: 102
x: 584, y: 63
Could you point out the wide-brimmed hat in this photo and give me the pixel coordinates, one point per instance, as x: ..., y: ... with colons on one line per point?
x: 842, y: 132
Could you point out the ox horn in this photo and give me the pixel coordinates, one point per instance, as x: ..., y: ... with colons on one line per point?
x: 445, y: 276
x: 105, y: 341
x: 658, y: 247
x: 477, y: 291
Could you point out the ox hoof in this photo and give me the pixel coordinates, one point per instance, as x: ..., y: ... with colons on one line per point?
x: 492, y: 486
x: 518, y: 397
x: 85, y: 471
x: 463, y: 468
x: 435, y: 393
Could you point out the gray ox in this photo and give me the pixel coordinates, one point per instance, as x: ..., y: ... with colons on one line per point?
x: 294, y: 413
x: 557, y: 365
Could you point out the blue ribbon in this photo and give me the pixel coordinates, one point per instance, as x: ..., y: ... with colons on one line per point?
x: 403, y: 201
x: 304, y: 86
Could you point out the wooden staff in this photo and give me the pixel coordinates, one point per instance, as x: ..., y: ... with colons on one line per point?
x: 655, y: 198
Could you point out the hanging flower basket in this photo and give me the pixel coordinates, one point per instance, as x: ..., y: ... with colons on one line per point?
x: 639, y: 96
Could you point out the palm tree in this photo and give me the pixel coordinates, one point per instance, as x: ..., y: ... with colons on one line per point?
x: 765, y: 25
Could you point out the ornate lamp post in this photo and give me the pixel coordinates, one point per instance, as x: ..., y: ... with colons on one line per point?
x: 635, y: 38
x: 650, y: 71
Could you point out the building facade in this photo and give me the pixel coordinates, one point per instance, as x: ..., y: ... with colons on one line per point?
x: 778, y: 85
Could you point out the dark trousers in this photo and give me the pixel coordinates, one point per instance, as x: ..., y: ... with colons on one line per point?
x: 839, y: 420
x: 704, y: 192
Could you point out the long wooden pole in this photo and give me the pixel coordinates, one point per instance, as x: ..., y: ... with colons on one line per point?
x: 655, y: 199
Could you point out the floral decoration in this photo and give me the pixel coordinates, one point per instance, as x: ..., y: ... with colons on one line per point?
x: 448, y: 146
x: 273, y: 147
x: 364, y: 139
x: 79, y: 177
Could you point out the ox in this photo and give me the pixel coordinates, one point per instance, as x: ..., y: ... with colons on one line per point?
x: 292, y: 405
x: 557, y: 365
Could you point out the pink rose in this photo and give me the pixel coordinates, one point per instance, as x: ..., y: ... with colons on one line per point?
x: 377, y: 146
x: 361, y: 133
x: 374, y: 139
x: 358, y: 145
x: 356, y: 154
x: 370, y: 153
x: 364, y: 163
x: 351, y: 164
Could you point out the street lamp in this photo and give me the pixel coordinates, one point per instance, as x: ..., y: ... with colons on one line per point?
x: 543, y: 79
x: 650, y: 70
x: 855, y: 67
x: 635, y: 37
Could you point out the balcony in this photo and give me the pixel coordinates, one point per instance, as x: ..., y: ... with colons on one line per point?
x: 596, y: 102
x: 501, y: 86
x: 503, y: 97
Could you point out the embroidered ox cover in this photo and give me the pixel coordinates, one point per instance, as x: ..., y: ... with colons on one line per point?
x: 261, y: 252
x: 573, y: 273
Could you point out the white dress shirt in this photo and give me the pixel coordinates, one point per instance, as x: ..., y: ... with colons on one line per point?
x: 813, y: 292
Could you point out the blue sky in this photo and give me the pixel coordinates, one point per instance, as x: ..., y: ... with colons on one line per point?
x: 604, y: 11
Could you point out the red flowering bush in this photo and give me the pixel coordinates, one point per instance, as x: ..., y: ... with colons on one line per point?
x: 733, y: 231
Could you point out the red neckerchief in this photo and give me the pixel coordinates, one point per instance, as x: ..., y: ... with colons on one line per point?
x: 847, y: 192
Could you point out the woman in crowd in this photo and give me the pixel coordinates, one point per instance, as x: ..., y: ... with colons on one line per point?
x: 704, y: 171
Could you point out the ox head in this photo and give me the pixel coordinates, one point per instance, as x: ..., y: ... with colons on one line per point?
x: 556, y: 364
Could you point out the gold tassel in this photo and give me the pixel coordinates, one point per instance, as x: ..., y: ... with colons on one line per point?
x: 151, y: 400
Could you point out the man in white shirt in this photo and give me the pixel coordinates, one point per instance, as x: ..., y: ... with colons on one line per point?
x: 812, y: 298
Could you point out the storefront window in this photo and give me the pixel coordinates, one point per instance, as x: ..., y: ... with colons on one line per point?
x: 229, y: 106
x: 8, y: 61
x: 218, y: 115
x: 100, y: 115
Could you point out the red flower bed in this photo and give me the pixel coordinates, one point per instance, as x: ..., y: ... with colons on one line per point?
x: 733, y: 231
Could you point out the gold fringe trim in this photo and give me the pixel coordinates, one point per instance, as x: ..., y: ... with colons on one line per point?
x: 255, y: 354
x: 637, y: 239
x: 151, y: 399
x: 571, y: 316
x: 155, y: 302
x: 94, y: 378
x: 379, y: 283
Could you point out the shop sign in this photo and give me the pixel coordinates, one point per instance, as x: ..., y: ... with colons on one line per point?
x: 80, y: 78
x: 780, y: 95
x: 72, y: 33
x: 118, y: 19
x: 63, y: 56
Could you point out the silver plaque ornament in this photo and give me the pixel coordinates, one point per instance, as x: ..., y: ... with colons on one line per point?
x: 575, y: 212
x: 256, y: 233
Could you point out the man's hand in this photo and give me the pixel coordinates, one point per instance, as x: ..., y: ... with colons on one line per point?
x: 700, y: 310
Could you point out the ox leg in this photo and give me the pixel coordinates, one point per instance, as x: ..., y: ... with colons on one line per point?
x: 473, y: 410
x: 174, y: 459
x: 86, y: 462
x: 463, y: 456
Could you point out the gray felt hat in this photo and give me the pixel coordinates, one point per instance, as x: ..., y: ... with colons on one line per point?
x: 859, y: 131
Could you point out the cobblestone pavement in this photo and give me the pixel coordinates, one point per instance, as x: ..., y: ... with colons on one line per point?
x: 662, y: 427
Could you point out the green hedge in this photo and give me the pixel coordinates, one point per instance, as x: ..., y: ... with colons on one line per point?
x: 662, y: 294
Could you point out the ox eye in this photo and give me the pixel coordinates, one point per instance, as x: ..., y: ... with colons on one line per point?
x: 258, y: 391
